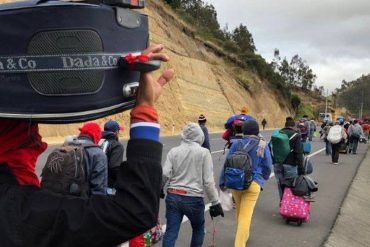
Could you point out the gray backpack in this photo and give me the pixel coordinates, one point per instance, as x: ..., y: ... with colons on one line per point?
x: 65, y: 171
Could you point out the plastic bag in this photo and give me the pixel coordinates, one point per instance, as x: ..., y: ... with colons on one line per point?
x: 226, y: 200
x: 157, y: 233
x: 315, y: 134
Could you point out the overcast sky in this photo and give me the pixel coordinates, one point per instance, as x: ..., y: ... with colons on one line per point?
x: 332, y: 36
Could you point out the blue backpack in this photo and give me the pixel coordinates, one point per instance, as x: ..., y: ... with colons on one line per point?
x: 238, y: 167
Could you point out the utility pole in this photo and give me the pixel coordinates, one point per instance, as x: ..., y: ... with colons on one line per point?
x: 362, y: 105
x: 326, y: 103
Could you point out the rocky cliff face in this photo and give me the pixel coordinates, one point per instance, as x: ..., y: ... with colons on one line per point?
x: 204, y: 83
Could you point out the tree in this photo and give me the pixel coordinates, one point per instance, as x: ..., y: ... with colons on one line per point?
x: 354, y: 95
x: 296, y: 72
x: 295, y: 101
x: 243, y: 38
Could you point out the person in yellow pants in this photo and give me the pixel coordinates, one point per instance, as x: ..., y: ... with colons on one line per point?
x: 245, y: 200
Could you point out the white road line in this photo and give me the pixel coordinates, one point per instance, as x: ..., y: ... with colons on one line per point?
x: 185, y: 219
x: 317, y: 152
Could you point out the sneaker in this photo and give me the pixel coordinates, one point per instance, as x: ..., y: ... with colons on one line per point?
x: 335, y: 163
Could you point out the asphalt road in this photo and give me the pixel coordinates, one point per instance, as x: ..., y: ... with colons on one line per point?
x: 268, y: 228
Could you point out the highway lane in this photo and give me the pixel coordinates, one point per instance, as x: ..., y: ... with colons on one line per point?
x: 268, y: 229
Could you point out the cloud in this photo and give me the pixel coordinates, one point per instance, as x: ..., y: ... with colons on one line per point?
x: 331, y: 35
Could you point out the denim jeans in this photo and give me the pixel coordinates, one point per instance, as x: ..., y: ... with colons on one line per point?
x: 353, y: 143
x: 176, y: 207
x: 311, y: 135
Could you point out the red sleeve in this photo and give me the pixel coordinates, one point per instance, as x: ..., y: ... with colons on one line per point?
x: 226, y: 134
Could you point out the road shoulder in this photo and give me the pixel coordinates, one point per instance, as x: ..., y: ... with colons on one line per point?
x: 352, y: 225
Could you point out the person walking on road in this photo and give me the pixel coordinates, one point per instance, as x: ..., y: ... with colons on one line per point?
x: 97, y: 165
x: 325, y: 132
x: 293, y: 164
x: 264, y: 122
x: 304, y: 127
x: 35, y: 218
x: 261, y: 168
x: 366, y: 130
x: 312, y: 130
x: 355, y: 132
x: 339, y: 135
x: 188, y: 170
x: 113, y: 148
x: 202, y: 123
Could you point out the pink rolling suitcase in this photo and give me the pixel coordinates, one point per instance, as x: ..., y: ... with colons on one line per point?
x: 294, y: 208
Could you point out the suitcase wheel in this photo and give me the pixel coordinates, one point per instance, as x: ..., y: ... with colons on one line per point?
x: 299, y: 222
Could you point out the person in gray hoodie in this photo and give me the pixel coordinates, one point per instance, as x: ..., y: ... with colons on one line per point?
x: 188, y: 171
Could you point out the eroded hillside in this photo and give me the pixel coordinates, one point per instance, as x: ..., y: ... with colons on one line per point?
x: 204, y: 82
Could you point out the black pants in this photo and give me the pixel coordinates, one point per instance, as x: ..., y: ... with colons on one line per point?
x: 335, y: 152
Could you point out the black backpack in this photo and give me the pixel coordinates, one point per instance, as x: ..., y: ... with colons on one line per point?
x: 238, y: 167
x: 65, y: 171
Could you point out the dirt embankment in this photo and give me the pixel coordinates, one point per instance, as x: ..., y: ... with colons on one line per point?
x: 204, y: 83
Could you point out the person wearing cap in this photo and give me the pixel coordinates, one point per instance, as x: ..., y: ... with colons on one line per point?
x: 202, y: 123
x: 97, y: 164
x: 31, y: 217
x: 261, y: 169
x: 234, y: 123
x: 113, y: 149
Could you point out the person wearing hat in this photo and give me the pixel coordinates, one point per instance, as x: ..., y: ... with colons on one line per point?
x: 246, y: 200
x: 202, y: 123
x: 97, y: 165
x: 234, y: 124
x: 113, y: 148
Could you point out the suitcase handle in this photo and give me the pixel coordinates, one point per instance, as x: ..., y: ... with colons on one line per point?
x: 141, y: 66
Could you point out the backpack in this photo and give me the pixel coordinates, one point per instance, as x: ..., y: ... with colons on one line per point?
x: 280, y: 146
x: 356, y: 132
x: 335, y: 134
x: 65, y: 171
x: 238, y: 167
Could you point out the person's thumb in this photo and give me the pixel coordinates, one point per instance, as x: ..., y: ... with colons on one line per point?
x: 166, y: 77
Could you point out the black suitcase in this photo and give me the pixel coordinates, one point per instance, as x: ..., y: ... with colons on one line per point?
x: 61, y: 62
